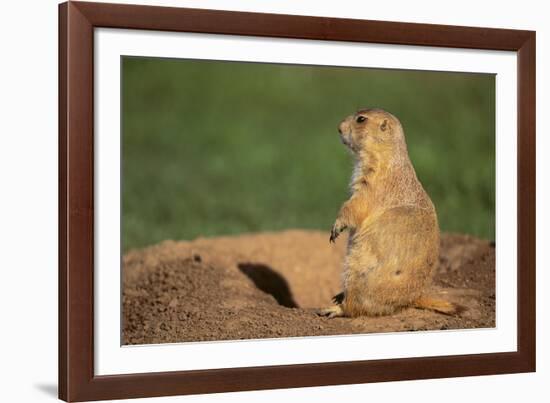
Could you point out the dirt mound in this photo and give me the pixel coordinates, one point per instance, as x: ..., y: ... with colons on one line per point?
x: 267, y: 285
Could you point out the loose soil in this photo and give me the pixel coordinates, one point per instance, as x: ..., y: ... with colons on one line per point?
x: 268, y: 285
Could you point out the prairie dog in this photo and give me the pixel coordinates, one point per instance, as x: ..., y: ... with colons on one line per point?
x: 393, y: 246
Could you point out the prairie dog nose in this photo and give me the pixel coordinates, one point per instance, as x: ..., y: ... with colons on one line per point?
x: 341, y: 127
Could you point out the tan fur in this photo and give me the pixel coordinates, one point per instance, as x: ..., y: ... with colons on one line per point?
x: 393, y: 245
x: 438, y: 305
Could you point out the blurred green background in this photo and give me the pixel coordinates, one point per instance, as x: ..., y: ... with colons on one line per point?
x: 212, y: 148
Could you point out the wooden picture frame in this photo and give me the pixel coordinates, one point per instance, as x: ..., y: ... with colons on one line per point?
x: 77, y: 21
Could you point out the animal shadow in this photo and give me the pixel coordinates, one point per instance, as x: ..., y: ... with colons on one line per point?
x: 269, y: 281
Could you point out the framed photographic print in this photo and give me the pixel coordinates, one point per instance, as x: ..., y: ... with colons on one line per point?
x: 254, y: 201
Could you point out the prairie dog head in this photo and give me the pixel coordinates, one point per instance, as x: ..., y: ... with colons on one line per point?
x: 371, y: 129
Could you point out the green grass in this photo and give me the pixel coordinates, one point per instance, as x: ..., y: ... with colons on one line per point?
x: 213, y: 148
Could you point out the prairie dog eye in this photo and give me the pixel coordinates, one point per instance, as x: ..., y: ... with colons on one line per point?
x: 360, y: 119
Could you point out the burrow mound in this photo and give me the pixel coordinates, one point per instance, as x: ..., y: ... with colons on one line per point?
x: 267, y: 285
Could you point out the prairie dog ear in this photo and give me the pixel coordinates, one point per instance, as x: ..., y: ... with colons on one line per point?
x: 384, y: 125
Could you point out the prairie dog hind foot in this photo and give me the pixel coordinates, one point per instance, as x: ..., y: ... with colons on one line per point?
x: 334, y: 311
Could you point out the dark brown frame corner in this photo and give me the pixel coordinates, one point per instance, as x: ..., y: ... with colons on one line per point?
x: 77, y: 21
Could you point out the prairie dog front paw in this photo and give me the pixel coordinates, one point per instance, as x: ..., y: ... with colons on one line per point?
x: 337, y: 229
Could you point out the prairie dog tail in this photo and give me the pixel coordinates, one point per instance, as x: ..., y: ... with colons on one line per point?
x: 439, y: 305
